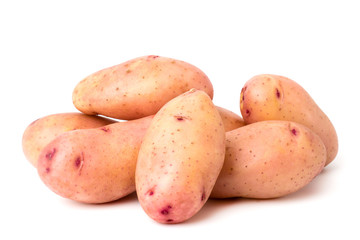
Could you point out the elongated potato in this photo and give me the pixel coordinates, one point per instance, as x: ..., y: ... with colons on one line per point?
x: 42, y: 131
x: 230, y: 119
x: 94, y: 165
x: 180, y: 158
x: 269, y: 159
x: 273, y: 97
x: 138, y: 87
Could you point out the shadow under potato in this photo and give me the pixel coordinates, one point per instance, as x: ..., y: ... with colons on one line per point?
x: 214, y: 207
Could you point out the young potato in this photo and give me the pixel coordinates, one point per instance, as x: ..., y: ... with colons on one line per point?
x: 138, y: 87
x: 180, y: 158
x: 230, y: 119
x: 94, y: 165
x: 42, y: 131
x: 269, y: 159
x: 273, y: 97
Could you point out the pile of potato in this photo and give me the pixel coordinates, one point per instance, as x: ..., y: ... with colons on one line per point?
x: 177, y: 148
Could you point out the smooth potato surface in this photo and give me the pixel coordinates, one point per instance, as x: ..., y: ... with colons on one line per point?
x: 138, y: 87
x: 230, y: 119
x: 42, y: 131
x: 94, y: 165
x: 180, y: 158
x: 269, y: 159
x: 273, y: 97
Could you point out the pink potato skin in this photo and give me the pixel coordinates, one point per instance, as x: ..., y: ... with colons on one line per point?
x: 94, y: 165
x: 42, y: 131
x: 138, y: 87
x: 180, y: 158
x: 269, y: 159
x: 274, y: 97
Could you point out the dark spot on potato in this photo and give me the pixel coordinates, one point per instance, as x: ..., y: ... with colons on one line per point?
x: 50, y: 155
x: 79, y: 162
x: 152, y: 56
x: 278, y: 95
x: 203, y: 196
x: 150, y: 192
x: 164, y: 212
x: 105, y: 129
x: 181, y: 117
x: 47, y: 170
x: 247, y: 112
x: 169, y: 220
x: 293, y: 131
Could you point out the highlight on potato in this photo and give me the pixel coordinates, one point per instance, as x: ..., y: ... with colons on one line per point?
x: 159, y: 133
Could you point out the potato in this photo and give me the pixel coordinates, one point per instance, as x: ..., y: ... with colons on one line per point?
x: 180, y: 158
x: 273, y: 97
x: 94, y: 165
x: 230, y: 119
x: 269, y: 159
x: 138, y: 87
x: 42, y: 131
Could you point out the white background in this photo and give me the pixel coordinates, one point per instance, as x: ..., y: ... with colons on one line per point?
x: 47, y: 47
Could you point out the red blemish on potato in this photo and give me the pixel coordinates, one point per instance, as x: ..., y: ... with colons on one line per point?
x: 47, y: 170
x: 79, y: 162
x: 293, y: 131
x: 105, y: 129
x: 181, y: 117
x: 150, y: 192
x: 50, y: 154
x: 203, y: 196
x: 278, y: 95
x: 247, y: 112
x: 152, y: 56
x: 166, y: 210
x: 169, y: 220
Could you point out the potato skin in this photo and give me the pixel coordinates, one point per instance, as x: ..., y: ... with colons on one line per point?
x: 94, y: 165
x: 180, y: 158
x: 42, y: 131
x: 269, y: 159
x: 230, y: 119
x: 138, y: 87
x: 274, y: 97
